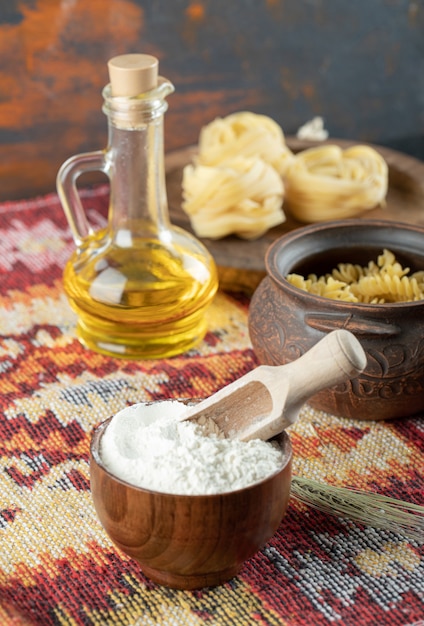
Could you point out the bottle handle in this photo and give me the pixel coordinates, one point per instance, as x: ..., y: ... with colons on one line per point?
x: 67, y: 190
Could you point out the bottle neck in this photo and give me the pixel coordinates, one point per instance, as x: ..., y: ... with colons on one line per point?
x: 135, y: 165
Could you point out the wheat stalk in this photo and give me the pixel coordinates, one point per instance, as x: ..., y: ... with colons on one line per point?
x: 371, y: 509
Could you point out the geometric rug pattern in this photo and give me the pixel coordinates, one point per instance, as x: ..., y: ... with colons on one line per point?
x: 57, y: 565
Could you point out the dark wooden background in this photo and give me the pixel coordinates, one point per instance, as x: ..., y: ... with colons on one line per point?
x: 358, y: 63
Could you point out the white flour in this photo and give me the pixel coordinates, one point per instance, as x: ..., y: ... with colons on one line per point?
x: 146, y: 446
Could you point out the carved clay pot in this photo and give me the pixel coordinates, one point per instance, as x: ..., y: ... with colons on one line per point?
x: 285, y: 321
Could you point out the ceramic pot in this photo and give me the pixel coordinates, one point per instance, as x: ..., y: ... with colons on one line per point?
x: 285, y: 321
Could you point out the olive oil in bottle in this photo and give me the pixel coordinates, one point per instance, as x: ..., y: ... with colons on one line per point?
x: 140, y: 286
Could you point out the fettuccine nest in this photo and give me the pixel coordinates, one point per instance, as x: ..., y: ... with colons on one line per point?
x: 244, y: 134
x: 235, y: 185
x: 326, y: 182
x: 242, y: 196
x: 245, y: 172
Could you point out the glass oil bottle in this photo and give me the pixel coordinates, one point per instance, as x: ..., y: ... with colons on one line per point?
x: 140, y: 286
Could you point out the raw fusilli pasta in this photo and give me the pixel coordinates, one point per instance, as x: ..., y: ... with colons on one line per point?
x: 377, y: 283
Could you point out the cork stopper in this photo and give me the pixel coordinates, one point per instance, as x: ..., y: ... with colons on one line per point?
x: 132, y: 74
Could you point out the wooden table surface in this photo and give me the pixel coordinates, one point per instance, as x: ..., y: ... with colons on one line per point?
x: 241, y: 263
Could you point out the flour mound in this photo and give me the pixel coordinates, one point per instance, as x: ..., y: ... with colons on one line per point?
x: 146, y: 446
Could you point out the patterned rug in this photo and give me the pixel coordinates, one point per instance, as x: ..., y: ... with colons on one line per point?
x: 58, y: 567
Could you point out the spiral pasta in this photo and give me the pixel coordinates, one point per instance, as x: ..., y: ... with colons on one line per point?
x: 377, y: 283
x: 326, y: 182
x: 243, y: 196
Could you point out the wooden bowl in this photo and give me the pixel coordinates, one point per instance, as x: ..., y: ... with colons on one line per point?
x: 185, y: 541
x: 285, y: 321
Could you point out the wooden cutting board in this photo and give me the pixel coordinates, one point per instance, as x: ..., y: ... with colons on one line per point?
x: 241, y: 263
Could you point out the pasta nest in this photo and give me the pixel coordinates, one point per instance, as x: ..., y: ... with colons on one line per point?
x: 326, y: 182
x: 244, y: 134
x: 242, y: 196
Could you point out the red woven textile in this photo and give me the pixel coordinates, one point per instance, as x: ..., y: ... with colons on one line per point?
x: 57, y: 566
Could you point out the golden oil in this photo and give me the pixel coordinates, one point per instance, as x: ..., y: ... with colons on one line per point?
x: 140, y: 286
x: 144, y: 301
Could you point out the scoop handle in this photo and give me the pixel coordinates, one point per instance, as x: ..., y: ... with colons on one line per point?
x: 336, y: 357
x: 282, y: 390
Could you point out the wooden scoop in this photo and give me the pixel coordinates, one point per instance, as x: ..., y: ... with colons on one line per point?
x: 265, y: 401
